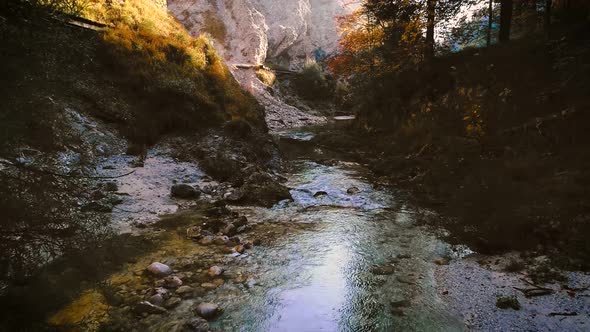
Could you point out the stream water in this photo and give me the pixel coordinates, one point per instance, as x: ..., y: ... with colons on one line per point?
x: 362, y: 264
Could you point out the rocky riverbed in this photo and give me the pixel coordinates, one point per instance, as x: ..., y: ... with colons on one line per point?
x: 339, y: 253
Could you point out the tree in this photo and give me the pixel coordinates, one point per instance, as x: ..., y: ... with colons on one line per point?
x: 548, y: 5
x: 505, y: 20
x: 490, y: 22
x: 430, y: 22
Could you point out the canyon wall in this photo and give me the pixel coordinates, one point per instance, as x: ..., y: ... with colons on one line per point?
x: 282, y: 32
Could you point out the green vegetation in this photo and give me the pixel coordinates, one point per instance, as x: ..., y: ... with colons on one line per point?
x: 494, y: 138
x: 313, y: 84
x: 144, y: 75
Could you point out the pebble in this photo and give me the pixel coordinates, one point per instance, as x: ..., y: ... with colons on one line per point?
x: 240, y: 249
x: 208, y: 310
x: 147, y: 307
x: 182, y: 290
x: 197, y: 325
x: 184, y: 191
x: 220, y: 240
x: 172, y: 302
x: 169, y: 282
x: 156, y: 299
x: 215, y: 271
x: 206, y: 240
x: 208, y: 285
x: 229, y: 230
x: 353, y: 191
x: 159, y: 269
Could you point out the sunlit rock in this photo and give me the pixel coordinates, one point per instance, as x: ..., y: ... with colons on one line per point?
x: 159, y: 269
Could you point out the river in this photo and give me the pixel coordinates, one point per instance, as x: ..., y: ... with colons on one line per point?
x: 362, y: 265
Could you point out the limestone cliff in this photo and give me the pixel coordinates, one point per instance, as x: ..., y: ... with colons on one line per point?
x: 285, y: 32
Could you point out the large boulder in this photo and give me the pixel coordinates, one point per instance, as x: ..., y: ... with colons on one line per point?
x: 262, y: 189
x: 183, y: 190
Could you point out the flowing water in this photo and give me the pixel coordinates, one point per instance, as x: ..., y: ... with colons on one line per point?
x: 361, y: 264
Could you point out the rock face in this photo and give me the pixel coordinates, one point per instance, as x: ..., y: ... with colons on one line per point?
x: 252, y: 31
x: 286, y: 32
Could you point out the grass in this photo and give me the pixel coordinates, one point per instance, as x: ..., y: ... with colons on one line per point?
x: 149, y: 45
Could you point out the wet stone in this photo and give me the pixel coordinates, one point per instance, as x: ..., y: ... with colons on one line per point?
x: 193, y: 232
x: 183, y: 190
x: 405, y: 280
x: 184, y: 290
x: 208, y: 310
x: 207, y: 240
x: 157, y: 299
x: 353, y: 191
x: 215, y: 271
x: 229, y: 230
x: 239, y: 249
x: 221, y: 240
x: 169, y: 282
x: 241, y: 221
x: 111, y: 186
x: 147, y: 307
x: 159, y: 269
x: 197, y: 325
x: 382, y: 270
x: 320, y: 194
x: 172, y: 302
x: 507, y: 302
x: 208, y: 285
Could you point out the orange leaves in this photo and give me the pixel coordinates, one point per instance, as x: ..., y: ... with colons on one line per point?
x: 357, y: 41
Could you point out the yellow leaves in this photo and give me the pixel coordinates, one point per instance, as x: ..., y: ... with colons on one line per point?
x: 474, y: 122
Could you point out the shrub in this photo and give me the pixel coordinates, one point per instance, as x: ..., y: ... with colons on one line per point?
x: 266, y: 76
x: 313, y: 84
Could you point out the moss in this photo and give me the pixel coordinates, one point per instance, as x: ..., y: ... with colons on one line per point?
x: 86, y: 313
x: 507, y: 302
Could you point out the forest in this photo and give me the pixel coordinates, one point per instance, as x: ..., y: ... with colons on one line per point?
x: 294, y: 165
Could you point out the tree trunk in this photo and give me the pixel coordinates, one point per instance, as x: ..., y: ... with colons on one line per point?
x: 505, y: 20
x: 430, y: 8
x: 548, y: 5
x: 490, y: 21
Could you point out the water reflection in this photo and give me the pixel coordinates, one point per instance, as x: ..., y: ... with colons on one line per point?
x: 317, y: 306
x: 324, y: 279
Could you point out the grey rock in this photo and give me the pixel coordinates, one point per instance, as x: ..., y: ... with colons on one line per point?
x: 221, y: 240
x: 215, y: 271
x: 183, y: 190
x: 353, y: 191
x: 197, y: 325
x: 183, y: 290
x: 208, y: 310
x: 229, y: 230
x: 241, y: 221
x: 172, y: 302
x: 207, y: 240
x: 169, y: 282
x: 159, y: 269
x: 320, y: 193
x: 146, y: 307
x: 111, y: 186
x: 157, y: 299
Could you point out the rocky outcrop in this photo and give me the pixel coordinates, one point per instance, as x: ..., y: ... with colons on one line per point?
x: 252, y: 31
x: 285, y: 32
